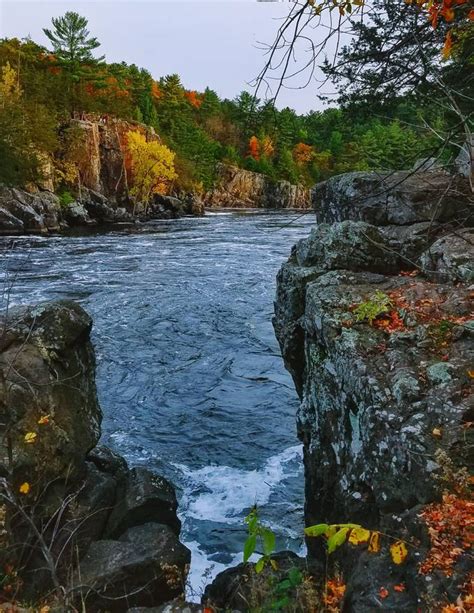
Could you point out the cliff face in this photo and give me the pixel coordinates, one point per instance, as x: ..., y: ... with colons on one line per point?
x: 384, y: 407
x: 237, y: 188
x: 79, y: 523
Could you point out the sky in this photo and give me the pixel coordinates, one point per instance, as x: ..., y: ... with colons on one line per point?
x: 208, y: 43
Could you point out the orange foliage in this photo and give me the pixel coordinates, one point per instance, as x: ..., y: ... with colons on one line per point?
x: 450, y: 524
x: 254, y: 148
x: 267, y: 147
x: 390, y: 322
x: 335, y: 590
x: 155, y: 90
x: 303, y: 153
x: 450, y: 11
x: 193, y: 98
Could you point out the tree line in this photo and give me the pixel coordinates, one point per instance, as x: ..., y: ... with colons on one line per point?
x: 41, y: 88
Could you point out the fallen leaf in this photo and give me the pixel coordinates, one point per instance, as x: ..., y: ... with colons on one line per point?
x: 399, y: 552
x: 383, y: 592
x: 25, y: 488
x: 44, y: 420
x: 400, y: 587
x: 30, y: 437
x: 374, y: 543
x: 437, y: 432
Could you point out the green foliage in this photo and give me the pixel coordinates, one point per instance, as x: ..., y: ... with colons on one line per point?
x: 65, y: 198
x: 378, y: 304
x: 258, y: 534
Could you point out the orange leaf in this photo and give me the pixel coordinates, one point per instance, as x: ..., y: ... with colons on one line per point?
x: 400, y: 587
x: 374, y: 543
x: 383, y: 592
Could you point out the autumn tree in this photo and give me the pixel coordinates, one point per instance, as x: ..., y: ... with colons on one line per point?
x: 152, y: 167
x: 26, y: 132
x: 254, y: 148
x: 73, y: 47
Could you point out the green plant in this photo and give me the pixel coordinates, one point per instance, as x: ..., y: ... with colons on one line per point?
x: 378, y: 304
x: 284, y: 590
x: 65, y: 198
x: 258, y: 533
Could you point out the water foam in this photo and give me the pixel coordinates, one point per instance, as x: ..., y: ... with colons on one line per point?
x: 221, y: 493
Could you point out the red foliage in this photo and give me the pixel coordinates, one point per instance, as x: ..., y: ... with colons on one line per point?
x: 254, y: 148
x: 450, y: 524
x: 193, y: 98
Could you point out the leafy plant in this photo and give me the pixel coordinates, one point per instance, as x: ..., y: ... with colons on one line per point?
x: 378, y: 304
x: 355, y: 534
x: 259, y: 534
x: 284, y: 590
x: 65, y: 198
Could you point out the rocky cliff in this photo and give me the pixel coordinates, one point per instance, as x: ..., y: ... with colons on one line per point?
x: 237, y: 188
x: 386, y: 403
x: 76, y: 524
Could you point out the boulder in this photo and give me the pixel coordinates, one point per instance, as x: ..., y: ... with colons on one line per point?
x: 76, y: 214
x: 241, y: 588
x: 48, y: 398
x: 146, y: 567
x: 384, y: 198
x: 22, y: 212
x: 145, y: 497
x: 451, y: 258
x: 175, y: 606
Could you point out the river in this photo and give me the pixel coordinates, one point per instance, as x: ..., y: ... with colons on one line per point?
x: 189, y: 373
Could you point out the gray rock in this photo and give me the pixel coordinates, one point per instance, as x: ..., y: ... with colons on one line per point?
x: 145, y: 568
x: 76, y: 214
x: 21, y: 211
x: 43, y: 349
x: 384, y: 198
x: 146, y: 497
x: 451, y: 258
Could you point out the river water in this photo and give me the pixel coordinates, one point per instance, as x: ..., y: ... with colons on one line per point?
x: 189, y: 374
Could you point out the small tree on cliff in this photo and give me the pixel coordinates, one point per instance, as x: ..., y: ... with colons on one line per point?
x: 73, y: 49
x: 151, y: 165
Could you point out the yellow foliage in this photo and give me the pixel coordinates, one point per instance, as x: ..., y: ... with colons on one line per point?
x: 9, y: 86
x: 359, y: 536
x: 374, y: 543
x: 25, y: 488
x: 30, y: 437
x: 152, y: 166
x: 399, y: 552
x: 44, y: 420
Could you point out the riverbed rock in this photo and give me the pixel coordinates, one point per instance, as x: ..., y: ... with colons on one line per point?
x: 145, y: 567
x: 24, y: 212
x: 239, y: 188
x: 378, y: 404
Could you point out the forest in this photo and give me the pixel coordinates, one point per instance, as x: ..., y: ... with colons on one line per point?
x: 41, y: 89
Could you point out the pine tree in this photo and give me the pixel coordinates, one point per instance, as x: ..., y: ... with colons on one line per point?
x: 73, y: 49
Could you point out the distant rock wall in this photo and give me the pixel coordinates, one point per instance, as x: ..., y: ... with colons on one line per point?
x: 380, y: 402
x: 238, y: 188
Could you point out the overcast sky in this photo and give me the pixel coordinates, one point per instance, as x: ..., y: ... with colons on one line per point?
x: 206, y: 43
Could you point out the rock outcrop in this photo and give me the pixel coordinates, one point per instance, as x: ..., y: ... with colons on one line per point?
x: 238, y: 188
x: 385, y: 408
x: 78, y: 521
